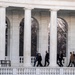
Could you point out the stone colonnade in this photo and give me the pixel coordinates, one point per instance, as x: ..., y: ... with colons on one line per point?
x: 27, y: 38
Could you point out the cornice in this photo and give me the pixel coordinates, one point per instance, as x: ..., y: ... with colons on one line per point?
x: 62, y: 5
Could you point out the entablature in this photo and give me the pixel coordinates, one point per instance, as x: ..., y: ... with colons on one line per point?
x: 61, y: 5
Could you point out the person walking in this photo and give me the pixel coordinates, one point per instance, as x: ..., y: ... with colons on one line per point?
x: 46, y: 59
x: 36, y: 59
x: 60, y: 59
x: 74, y: 58
x: 71, y: 62
x: 39, y: 60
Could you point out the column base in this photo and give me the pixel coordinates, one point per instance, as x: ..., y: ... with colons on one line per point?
x: 53, y: 65
x: 27, y: 65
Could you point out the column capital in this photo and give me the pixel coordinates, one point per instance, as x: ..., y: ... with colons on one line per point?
x: 54, y: 9
x: 29, y: 8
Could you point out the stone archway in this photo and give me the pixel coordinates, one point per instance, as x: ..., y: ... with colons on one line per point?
x: 21, y: 38
x: 34, y: 30
x: 62, y: 31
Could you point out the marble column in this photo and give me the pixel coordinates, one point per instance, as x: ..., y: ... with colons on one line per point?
x: 53, y: 38
x: 27, y: 37
x: 14, y: 39
x: 2, y: 32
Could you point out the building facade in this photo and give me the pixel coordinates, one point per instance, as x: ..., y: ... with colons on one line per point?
x: 46, y: 13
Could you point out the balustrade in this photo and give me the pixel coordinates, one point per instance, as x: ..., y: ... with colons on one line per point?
x: 37, y: 71
x: 21, y: 60
x: 6, y: 71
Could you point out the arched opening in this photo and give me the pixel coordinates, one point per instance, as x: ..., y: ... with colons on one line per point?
x: 62, y: 31
x: 21, y: 38
x: 34, y: 30
x: 7, y: 36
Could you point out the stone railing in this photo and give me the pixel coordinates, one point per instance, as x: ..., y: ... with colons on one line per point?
x: 21, y: 60
x: 37, y: 71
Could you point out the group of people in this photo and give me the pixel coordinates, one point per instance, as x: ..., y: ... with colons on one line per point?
x: 72, y: 59
x: 38, y: 59
x: 60, y: 59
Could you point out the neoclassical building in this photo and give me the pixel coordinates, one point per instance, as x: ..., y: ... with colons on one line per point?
x: 31, y: 26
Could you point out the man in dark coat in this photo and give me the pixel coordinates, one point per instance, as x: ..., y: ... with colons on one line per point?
x: 61, y: 58
x: 46, y: 59
x: 74, y: 58
x: 39, y: 60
